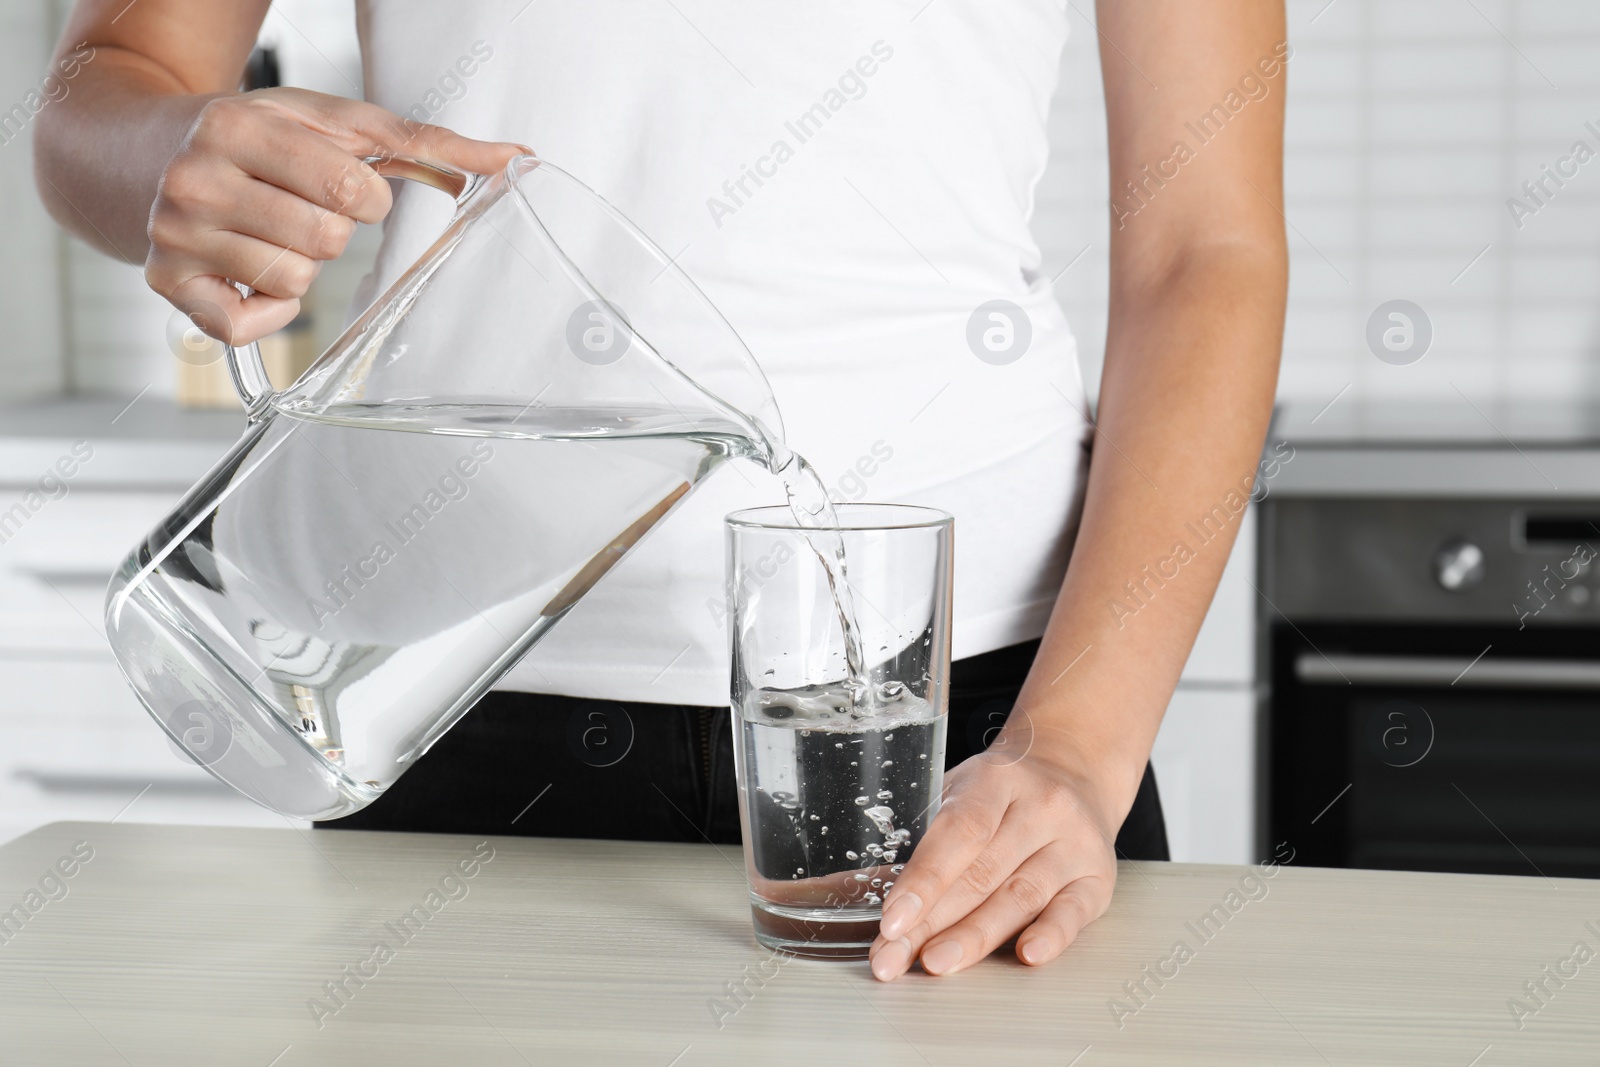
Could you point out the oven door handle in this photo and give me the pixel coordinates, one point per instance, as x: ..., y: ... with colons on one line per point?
x: 1315, y: 668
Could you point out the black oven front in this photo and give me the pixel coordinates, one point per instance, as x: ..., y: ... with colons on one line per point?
x: 1433, y: 685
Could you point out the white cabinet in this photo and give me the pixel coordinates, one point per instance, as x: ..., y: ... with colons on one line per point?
x: 55, y: 564
x: 1205, y: 755
x: 1205, y: 764
x: 1224, y: 648
x: 74, y: 741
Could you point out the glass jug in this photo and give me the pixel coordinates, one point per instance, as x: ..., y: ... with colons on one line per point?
x: 395, y: 530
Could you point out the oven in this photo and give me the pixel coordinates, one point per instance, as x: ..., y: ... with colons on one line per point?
x: 1433, y: 684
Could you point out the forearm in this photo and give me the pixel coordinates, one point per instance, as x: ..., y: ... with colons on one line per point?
x: 139, y: 76
x: 1185, y: 400
x: 100, y: 152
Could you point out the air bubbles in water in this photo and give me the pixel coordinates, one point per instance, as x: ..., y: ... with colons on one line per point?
x: 883, y: 818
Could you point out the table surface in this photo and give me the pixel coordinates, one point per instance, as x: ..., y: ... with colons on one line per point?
x: 188, y: 945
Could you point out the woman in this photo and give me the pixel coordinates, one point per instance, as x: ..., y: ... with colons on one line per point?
x: 852, y: 186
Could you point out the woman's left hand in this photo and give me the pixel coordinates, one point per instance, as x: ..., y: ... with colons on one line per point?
x: 1020, y: 844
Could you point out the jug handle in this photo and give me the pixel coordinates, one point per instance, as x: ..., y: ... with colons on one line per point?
x: 245, y: 366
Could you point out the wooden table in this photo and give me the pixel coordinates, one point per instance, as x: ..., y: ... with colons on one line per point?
x: 177, y: 945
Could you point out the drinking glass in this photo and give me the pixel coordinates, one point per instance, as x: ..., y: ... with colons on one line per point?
x: 836, y: 786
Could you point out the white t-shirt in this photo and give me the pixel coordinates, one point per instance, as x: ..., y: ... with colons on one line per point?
x: 850, y: 184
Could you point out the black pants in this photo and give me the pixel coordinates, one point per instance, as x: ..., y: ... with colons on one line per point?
x: 553, y: 766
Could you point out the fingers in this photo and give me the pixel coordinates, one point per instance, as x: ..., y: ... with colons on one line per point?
x: 1007, y: 884
x: 266, y: 185
x: 221, y: 311
x: 961, y: 831
x: 1015, y: 848
x: 314, y: 169
x: 365, y: 129
x: 257, y: 209
x: 464, y: 153
x: 261, y: 265
x: 1019, y: 897
x: 1058, y: 926
x: 1028, y: 899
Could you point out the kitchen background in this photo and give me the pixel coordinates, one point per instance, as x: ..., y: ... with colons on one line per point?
x: 1410, y: 125
x: 1413, y: 128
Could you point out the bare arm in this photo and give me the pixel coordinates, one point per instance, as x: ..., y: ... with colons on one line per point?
x: 102, y: 150
x: 1199, y: 278
x: 155, y: 157
x: 1198, y: 284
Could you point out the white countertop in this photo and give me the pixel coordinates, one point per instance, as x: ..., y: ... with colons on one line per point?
x: 182, y: 945
x: 1458, y: 449
x: 137, y: 443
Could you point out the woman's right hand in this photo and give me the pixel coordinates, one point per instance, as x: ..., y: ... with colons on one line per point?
x: 266, y: 186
